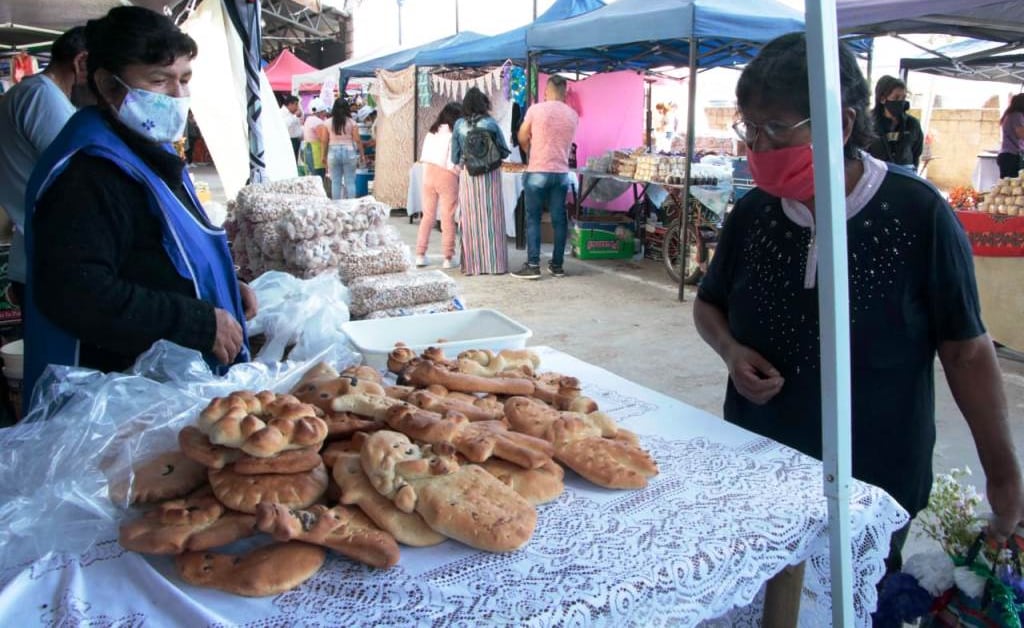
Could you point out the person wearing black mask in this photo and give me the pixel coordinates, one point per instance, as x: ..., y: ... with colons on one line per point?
x: 900, y: 138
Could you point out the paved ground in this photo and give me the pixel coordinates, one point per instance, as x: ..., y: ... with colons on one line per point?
x: 624, y: 316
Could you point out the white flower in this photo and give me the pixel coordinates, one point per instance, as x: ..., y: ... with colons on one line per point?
x: 969, y: 582
x: 933, y: 571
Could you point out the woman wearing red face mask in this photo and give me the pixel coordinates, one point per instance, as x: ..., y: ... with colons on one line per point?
x: 912, y: 295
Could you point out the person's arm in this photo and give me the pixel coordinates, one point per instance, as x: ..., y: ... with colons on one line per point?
x: 526, y: 133
x: 43, y: 112
x: 1018, y: 129
x: 354, y: 133
x: 457, y: 143
x: 753, y: 376
x: 82, y: 228
x: 500, y: 138
x: 918, y: 146
x: 974, y: 378
x: 969, y: 360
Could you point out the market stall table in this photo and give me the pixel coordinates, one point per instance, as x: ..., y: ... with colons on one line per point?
x: 728, y: 511
x: 998, y: 245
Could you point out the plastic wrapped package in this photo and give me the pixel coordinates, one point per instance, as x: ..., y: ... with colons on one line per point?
x: 388, y: 259
x: 425, y: 308
x: 88, y: 430
x: 304, y: 186
x: 384, y: 292
x: 309, y: 254
x: 267, y: 238
x: 305, y: 313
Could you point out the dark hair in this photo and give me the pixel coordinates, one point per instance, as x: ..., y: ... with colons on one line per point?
x: 340, y: 114
x: 558, y: 83
x: 475, y: 103
x: 133, y: 36
x: 777, y: 78
x: 1016, y: 106
x: 290, y: 100
x: 451, y: 112
x: 883, y: 88
x: 68, y: 46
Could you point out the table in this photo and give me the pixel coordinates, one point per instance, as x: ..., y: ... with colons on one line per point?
x: 986, y: 172
x: 511, y: 187
x: 728, y: 511
x: 998, y: 245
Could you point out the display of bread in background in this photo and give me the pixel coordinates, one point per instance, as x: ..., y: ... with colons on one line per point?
x: 462, y: 447
x: 1006, y: 198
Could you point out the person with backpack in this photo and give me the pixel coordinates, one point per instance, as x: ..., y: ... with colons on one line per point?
x: 478, y: 144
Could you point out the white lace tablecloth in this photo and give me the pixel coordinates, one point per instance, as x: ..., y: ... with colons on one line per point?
x: 728, y: 511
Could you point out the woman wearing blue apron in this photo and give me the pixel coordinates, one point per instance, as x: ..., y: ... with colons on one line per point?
x: 121, y: 253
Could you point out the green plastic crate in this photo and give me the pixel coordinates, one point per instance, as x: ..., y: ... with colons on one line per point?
x: 602, y: 240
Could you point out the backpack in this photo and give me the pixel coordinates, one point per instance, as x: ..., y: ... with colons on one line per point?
x: 479, y: 152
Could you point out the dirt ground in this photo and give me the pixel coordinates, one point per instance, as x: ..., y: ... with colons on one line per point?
x: 624, y: 316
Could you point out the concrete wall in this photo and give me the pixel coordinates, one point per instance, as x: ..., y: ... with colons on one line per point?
x: 958, y: 136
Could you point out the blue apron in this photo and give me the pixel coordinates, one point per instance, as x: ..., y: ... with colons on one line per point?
x: 198, y: 252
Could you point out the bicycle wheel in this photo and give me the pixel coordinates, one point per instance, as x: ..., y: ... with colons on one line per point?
x: 672, y: 252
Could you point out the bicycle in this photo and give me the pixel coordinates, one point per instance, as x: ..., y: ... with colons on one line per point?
x: 702, y: 227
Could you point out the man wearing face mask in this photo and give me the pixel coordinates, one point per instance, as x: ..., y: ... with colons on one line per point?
x: 32, y: 113
x: 900, y: 138
x: 121, y: 253
x: 912, y: 296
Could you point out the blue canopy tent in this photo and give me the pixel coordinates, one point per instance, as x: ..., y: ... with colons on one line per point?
x: 401, y: 58
x: 507, y: 45
x: 641, y: 34
x: 992, y: 20
x: 645, y: 34
x: 971, y: 59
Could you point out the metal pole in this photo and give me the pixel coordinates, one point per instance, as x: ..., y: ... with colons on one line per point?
x: 833, y: 295
x: 691, y: 142
x: 457, y: 17
x: 534, y: 10
x: 399, y: 2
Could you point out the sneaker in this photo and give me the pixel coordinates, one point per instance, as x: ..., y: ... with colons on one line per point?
x: 446, y: 264
x: 556, y: 271
x: 527, y: 272
x: 421, y: 261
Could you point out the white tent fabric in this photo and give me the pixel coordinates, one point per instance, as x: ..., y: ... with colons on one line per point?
x: 218, y: 102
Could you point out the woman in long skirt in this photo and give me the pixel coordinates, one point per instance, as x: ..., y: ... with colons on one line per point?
x: 484, y: 248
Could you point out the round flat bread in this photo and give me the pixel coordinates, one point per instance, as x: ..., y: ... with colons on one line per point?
x: 294, y: 461
x: 244, y: 492
x: 198, y: 447
x: 167, y: 476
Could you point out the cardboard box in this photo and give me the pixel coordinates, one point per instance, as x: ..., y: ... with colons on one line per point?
x: 602, y: 240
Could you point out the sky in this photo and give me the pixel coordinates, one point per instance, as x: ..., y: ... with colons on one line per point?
x: 376, y: 29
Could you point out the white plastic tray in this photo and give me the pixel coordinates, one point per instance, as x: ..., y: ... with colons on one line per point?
x: 468, y: 329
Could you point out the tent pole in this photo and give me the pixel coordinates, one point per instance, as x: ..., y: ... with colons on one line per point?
x: 691, y: 143
x: 415, y: 107
x: 649, y: 122
x: 833, y: 296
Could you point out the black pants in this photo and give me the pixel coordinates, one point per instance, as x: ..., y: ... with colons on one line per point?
x: 296, y: 142
x: 1009, y: 165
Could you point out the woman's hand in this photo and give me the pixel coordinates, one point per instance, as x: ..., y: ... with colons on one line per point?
x: 228, y: 341
x: 250, y: 304
x: 754, y: 377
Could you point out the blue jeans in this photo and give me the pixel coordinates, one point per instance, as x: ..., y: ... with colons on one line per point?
x: 341, y: 164
x: 540, y: 189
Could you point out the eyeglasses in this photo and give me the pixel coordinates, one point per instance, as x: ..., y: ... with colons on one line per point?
x: 776, y: 132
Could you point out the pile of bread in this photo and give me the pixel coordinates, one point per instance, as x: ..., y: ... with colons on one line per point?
x: 1007, y: 198
x: 461, y: 448
x: 293, y: 227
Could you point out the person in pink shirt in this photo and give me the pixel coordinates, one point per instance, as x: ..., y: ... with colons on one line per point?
x: 546, y: 135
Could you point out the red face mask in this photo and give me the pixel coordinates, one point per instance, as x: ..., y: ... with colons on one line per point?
x: 784, y: 172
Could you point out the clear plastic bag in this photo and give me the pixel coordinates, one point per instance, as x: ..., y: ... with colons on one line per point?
x: 88, y: 430
x: 306, y: 313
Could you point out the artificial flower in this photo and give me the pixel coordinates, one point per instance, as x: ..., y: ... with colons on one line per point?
x: 933, y: 571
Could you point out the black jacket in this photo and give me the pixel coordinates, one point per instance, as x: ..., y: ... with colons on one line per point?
x: 100, y: 269
x: 905, y: 150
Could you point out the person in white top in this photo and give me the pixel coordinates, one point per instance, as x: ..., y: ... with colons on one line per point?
x: 440, y: 185
x: 344, y: 150
x: 292, y: 120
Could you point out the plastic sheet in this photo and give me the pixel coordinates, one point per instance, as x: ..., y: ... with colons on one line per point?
x: 88, y: 430
x: 306, y: 313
